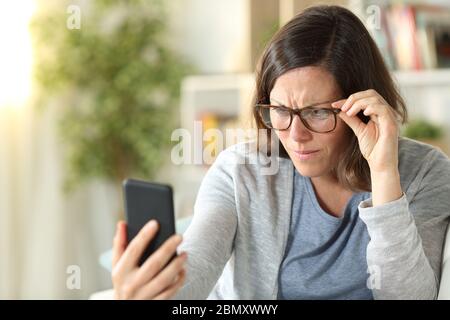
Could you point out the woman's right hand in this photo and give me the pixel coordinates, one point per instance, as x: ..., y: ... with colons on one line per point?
x: 153, y: 279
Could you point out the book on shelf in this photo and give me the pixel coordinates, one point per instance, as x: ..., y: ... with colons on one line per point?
x: 414, y: 37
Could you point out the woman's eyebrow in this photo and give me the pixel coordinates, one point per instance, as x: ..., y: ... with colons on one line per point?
x: 311, y: 105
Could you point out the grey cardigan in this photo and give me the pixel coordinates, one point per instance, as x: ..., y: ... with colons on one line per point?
x: 237, y: 238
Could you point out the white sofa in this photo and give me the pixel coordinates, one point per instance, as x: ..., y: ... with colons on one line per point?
x: 444, y: 287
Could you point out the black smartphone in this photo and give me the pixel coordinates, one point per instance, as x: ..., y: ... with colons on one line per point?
x: 145, y: 201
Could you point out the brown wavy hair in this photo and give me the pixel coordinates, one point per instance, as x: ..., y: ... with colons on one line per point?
x: 331, y: 37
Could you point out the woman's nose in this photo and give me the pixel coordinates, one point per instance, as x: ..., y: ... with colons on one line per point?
x: 298, y: 131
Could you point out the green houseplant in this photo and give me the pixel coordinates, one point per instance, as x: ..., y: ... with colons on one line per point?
x: 120, y: 81
x: 425, y: 131
x: 422, y: 129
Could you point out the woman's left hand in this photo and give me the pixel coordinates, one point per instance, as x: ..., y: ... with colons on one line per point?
x: 378, y: 139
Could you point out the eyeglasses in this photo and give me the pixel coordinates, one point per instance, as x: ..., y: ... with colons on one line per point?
x: 320, y: 118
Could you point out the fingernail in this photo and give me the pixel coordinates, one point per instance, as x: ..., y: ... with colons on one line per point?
x: 178, y: 238
x: 152, y: 225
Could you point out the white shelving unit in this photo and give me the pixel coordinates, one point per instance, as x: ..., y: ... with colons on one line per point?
x: 423, y: 78
x: 227, y: 95
x: 427, y: 96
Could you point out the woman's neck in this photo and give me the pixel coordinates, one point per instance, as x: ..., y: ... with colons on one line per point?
x: 328, y: 184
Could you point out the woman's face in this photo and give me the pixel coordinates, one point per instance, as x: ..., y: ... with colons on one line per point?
x: 303, y: 87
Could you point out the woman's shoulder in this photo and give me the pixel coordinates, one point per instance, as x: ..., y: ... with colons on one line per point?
x: 413, y: 152
x: 418, y: 159
x: 407, y: 145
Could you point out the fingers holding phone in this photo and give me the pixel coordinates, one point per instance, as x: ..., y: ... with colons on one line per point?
x: 156, y: 278
x: 119, y: 242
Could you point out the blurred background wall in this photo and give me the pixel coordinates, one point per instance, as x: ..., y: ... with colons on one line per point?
x: 87, y: 105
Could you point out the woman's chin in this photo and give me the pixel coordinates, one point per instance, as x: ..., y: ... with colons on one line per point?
x: 309, y: 170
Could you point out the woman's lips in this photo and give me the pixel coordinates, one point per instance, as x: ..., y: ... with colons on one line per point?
x: 306, y: 155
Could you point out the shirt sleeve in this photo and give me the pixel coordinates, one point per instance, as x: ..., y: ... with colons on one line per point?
x: 209, y: 238
x: 396, y: 257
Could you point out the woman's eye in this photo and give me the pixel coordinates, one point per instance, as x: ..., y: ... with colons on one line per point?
x: 281, y: 112
x: 320, y: 113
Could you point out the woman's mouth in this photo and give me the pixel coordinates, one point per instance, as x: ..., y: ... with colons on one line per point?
x: 306, y: 154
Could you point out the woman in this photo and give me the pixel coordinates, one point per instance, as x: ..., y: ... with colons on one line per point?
x: 353, y: 212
